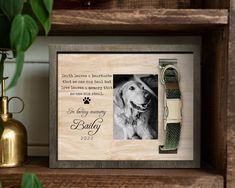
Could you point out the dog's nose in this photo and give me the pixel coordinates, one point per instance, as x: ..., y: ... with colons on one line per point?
x: 146, y: 94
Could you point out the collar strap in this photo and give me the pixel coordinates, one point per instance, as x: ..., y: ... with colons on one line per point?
x: 172, y: 108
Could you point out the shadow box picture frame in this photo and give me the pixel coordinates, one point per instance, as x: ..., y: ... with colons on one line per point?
x: 125, y: 106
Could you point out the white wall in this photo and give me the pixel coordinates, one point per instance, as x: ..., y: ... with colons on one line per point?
x: 33, y: 86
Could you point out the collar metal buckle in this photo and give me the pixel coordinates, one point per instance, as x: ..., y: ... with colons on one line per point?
x: 163, y: 70
x: 173, y: 111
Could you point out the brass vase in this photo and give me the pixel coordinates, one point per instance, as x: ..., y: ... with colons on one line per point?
x: 13, y: 142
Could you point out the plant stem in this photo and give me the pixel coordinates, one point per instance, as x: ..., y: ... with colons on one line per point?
x: 3, y: 58
x: 4, y: 49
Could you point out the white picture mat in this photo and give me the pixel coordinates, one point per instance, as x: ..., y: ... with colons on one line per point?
x: 104, y: 147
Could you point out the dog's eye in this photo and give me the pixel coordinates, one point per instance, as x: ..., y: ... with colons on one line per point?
x: 132, y: 88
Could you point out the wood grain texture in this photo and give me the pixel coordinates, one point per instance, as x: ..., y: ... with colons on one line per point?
x: 214, y: 96
x: 231, y: 101
x: 163, y: 163
x: 75, y: 21
x: 164, y: 178
x: 53, y: 105
x: 103, y: 145
x: 124, y: 4
x: 215, y: 4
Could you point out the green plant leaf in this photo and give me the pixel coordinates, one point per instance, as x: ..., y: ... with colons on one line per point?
x: 41, y: 12
x: 19, y: 67
x: 30, y: 180
x: 5, y: 27
x: 11, y: 7
x: 1, y: 185
x: 24, y: 30
x: 48, y: 4
x: 48, y: 25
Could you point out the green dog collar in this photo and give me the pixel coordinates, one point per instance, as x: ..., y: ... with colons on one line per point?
x: 172, y: 109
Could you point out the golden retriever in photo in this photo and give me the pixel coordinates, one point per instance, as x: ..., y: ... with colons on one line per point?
x: 133, y: 117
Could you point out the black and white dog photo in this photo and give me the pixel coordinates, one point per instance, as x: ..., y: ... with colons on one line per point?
x: 135, y: 107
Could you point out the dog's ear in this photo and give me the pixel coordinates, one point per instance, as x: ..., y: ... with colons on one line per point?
x: 118, y: 98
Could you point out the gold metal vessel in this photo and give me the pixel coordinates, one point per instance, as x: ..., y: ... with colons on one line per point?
x: 13, y: 141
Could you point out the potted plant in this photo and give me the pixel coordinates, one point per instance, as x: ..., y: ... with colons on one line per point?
x: 20, y: 21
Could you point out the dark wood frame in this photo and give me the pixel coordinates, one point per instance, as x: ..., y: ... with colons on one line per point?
x: 214, y: 21
x: 174, y: 46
